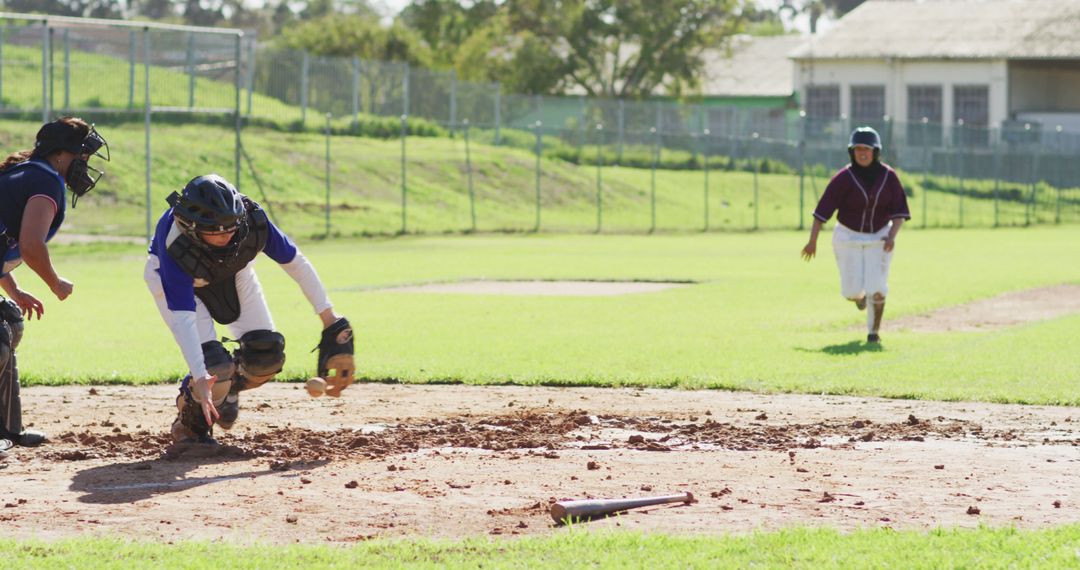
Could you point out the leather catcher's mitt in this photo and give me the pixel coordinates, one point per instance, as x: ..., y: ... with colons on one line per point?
x: 336, y: 364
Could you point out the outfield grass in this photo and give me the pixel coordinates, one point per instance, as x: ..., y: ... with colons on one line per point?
x: 795, y: 548
x: 760, y: 319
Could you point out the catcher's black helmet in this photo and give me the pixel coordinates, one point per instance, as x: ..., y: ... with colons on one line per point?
x: 865, y: 136
x: 210, y: 204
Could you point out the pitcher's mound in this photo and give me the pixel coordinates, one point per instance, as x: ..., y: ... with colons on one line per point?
x: 1004, y: 310
x: 556, y: 288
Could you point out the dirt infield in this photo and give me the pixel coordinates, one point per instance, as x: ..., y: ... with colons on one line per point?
x: 454, y: 461
x: 540, y: 288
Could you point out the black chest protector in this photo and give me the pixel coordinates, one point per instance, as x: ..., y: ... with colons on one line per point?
x: 214, y: 275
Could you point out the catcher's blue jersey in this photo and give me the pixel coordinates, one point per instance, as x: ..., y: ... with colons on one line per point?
x: 179, y: 286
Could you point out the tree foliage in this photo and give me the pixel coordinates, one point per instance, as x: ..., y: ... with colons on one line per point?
x: 358, y: 36
x: 610, y: 48
x: 446, y: 24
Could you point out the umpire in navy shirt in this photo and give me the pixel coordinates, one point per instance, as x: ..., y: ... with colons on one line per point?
x: 34, y: 185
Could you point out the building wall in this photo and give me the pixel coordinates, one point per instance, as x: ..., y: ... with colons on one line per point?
x: 897, y: 75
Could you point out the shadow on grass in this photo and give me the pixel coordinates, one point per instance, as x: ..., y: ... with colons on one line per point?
x: 846, y: 349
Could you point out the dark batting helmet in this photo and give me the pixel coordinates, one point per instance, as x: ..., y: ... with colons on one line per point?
x: 865, y: 136
x: 210, y: 204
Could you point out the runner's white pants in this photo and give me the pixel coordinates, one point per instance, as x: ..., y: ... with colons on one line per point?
x: 863, y: 262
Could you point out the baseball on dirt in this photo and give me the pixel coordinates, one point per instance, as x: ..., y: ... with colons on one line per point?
x: 316, y: 387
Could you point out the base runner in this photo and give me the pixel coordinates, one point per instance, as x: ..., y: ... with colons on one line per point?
x: 870, y: 207
x: 201, y: 271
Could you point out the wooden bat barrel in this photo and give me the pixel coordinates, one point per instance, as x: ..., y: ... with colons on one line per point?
x: 564, y: 511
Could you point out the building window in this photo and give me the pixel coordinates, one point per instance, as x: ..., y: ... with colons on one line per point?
x: 822, y: 110
x: 924, y: 114
x: 971, y: 108
x: 867, y: 104
x: 823, y: 102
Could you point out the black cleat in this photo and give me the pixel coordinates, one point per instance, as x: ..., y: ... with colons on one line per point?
x: 228, y: 411
x: 873, y: 338
x: 27, y: 438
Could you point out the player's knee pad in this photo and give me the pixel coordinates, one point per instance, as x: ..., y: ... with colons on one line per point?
x: 261, y: 356
x: 12, y: 315
x: 218, y: 361
x: 6, y: 346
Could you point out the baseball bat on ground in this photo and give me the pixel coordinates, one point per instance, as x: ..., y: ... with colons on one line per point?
x: 564, y: 511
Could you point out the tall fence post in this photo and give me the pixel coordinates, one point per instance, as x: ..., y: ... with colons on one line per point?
x: 621, y: 126
x: 927, y: 163
x: 453, y: 102
x: 1034, y: 183
x: 539, y: 150
x: 131, y: 69
x: 238, y: 49
x: 956, y: 155
x: 599, y: 175
x: 355, y: 92
x: 468, y: 175
x: 329, y: 116
x: 67, y: 70
x: 652, y: 181
x: 46, y: 47
x: 404, y: 185
x: 146, y: 121
x: 706, y: 148
x: 997, y: 185
x: 581, y: 126
x: 250, y: 72
x: 1057, y: 186
x: 498, y: 112
x: 191, y: 69
x: 405, y: 89
x: 757, y: 194
x: 304, y: 65
x: 802, y: 169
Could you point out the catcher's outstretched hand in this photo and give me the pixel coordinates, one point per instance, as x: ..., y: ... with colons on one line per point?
x: 202, y: 389
x: 336, y: 364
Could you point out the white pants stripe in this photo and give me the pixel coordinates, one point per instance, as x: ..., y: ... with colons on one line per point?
x: 863, y: 262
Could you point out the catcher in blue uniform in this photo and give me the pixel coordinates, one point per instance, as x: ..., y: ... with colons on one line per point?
x: 201, y: 271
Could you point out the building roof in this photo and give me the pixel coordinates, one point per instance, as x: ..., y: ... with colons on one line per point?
x: 952, y: 29
x: 756, y: 66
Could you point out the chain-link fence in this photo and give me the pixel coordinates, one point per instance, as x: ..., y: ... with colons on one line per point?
x: 440, y: 154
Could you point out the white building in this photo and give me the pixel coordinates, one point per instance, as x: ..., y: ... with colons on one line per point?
x: 978, y: 63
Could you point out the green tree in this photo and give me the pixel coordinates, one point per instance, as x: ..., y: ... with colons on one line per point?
x: 609, y: 48
x: 520, y: 61
x: 815, y: 9
x: 446, y: 24
x: 358, y: 36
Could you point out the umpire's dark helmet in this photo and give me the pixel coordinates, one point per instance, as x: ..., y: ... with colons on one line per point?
x: 210, y: 204
x: 866, y: 136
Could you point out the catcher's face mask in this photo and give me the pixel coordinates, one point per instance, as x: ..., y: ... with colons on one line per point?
x: 78, y: 177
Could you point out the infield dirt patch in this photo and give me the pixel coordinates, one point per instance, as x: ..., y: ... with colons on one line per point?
x: 456, y: 461
x: 541, y: 288
x: 1005, y: 310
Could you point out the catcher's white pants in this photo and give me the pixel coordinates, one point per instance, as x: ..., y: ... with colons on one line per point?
x: 863, y: 262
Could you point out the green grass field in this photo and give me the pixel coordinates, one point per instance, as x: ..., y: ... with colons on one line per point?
x: 796, y: 548
x: 758, y: 319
